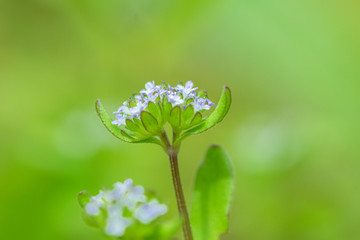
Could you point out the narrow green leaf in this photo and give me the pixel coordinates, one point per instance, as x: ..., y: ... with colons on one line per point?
x: 215, y: 117
x: 132, y: 103
x: 175, y: 118
x: 166, y: 106
x: 190, y: 100
x: 125, y: 134
x: 186, y: 116
x: 118, y: 132
x: 141, y: 139
x: 138, y: 122
x: 161, y: 110
x: 196, y: 119
x: 150, y: 123
x: 212, y: 195
x: 106, y: 120
x: 202, y: 93
x: 131, y: 125
x: 154, y: 110
x: 150, y: 140
x: 137, y: 130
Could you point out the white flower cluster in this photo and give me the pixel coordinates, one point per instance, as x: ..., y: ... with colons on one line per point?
x: 179, y: 95
x: 124, y: 195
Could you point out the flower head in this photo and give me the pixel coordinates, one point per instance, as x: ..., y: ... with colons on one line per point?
x: 123, y: 206
x: 142, y: 117
x: 182, y: 95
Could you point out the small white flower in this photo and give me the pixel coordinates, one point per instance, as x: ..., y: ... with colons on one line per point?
x: 148, y: 212
x: 133, y: 197
x: 202, y: 104
x: 161, y: 91
x: 135, y: 111
x: 116, y: 224
x: 150, y: 88
x: 96, y: 202
x: 174, y: 98
x: 188, y: 91
x: 151, y: 97
x: 120, y: 119
x: 92, y: 209
x: 138, y: 98
x: 119, y: 190
x: 111, y: 204
x: 129, y: 183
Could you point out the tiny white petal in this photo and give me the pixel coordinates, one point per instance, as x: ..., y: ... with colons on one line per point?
x: 116, y: 225
x: 189, y: 84
x: 92, y: 209
x: 134, y: 196
x: 128, y: 182
x: 148, y: 212
x: 150, y: 85
x: 119, y: 190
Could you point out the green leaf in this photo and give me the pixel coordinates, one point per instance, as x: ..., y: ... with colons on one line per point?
x: 166, y: 106
x: 202, y: 93
x: 212, y: 195
x: 196, y: 119
x: 117, y: 131
x: 138, y: 123
x: 161, y: 110
x: 175, y: 118
x: 136, y: 129
x: 106, y: 120
x: 150, y: 123
x: 164, y: 230
x: 186, y: 116
x: 83, y: 198
x: 154, y: 110
x: 131, y: 125
x: 190, y: 100
x: 132, y: 103
x: 215, y: 117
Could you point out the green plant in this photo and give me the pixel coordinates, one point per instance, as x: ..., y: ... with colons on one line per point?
x: 142, y: 118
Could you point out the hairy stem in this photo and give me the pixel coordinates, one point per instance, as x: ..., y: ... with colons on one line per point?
x: 180, y: 199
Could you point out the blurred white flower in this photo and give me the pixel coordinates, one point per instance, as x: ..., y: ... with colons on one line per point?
x: 147, y: 212
x: 114, y: 201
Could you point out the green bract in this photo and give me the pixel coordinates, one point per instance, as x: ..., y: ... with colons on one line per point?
x: 141, y: 118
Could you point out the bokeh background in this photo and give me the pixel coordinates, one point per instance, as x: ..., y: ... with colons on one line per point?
x: 292, y: 131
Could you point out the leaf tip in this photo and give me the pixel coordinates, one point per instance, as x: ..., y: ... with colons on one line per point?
x: 83, y: 197
x: 227, y: 89
x: 215, y: 146
x: 97, y: 105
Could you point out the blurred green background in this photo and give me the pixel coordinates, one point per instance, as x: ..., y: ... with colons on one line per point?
x: 292, y: 131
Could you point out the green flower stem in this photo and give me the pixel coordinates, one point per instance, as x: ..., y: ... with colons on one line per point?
x: 180, y: 196
x: 180, y: 199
